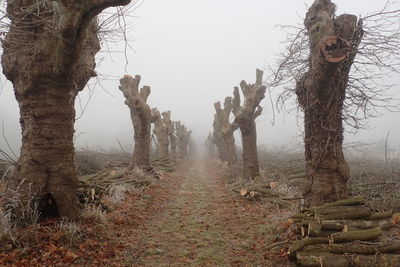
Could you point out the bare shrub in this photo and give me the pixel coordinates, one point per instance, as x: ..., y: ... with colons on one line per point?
x: 24, y: 202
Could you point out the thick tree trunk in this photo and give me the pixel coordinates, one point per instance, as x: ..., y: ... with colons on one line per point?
x: 161, y: 130
x: 250, y: 155
x: 46, y: 160
x: 223, y: 132
x: 141, y: 151
x: 174, y: 147
x: 141, y: 119
x: 245, y: 117
x: 48, y: 68
x: 321, y: 93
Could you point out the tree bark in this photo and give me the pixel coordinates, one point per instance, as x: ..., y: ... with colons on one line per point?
x: 245, y: 118
x: 251, y: 166
x: 141, y: 119
x: 224, y: 132
x: 48, y: 68
x: 321, y: 92
x: 161, y: 131
x: 183, y: 138
x: 171, y: 134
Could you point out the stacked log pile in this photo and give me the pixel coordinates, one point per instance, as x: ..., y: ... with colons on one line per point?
x: 346, y: 233
x: 93, y: 187
x: 263, y: 192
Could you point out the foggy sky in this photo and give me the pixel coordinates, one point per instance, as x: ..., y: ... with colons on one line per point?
x: 192, y: 53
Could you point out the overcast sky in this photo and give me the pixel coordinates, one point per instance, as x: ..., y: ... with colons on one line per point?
x: 192, y: 53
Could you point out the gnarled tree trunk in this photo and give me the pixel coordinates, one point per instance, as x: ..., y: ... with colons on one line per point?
x: 245, y: 118
x: 183, y: 137
x: 161, y: 131
x: 221, y: 148
x: 48, y: 68
x: 171, y: 134
x: 141, y: 119
x: 321, y: 92
x: 210, y: 146
x: 226, y: 130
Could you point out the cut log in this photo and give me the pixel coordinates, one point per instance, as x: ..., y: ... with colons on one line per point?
x: 311, y: 259
x: 361, y: 235
x: 300, y: 244
x: 355, y: 224
x: 343, y: 202
x: 322, y: 259
x: 343, y: 212
x: 381, y: 215
x: 361, y: 248
x: 314, y: 230
x: 332, y: 225
x: 243, y: 192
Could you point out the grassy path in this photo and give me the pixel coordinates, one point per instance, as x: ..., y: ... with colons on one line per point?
x: 204, y: 225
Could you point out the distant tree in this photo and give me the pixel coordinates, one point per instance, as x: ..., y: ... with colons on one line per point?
x: 141, y: 119
x: 334, y: 66
x: 49, y: 56
x: 161, y: 130
x: 245, y: 117
x: 183, y: 138
x: 217, y: 139
x: 210, y: 146
x: 172, y: 135
x: 225, y: 131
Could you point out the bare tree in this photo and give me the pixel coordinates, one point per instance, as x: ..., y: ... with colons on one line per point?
x: 161, y: 131
x: 245, y: 118
x: 334, y: 66
x: 183, y: 138
x: 49, y: 56
x: 171, y: 134
x: 217, y: 140
x: 210, y: 146
x: 225, y: 131
x: 141, y: 118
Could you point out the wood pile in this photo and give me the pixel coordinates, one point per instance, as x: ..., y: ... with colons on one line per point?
x: 346, y: 233
x: 93, y: 187
x: 264, y: 192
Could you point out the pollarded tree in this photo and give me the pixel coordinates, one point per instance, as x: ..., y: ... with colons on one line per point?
x: 161, y: 131
x: 335, y: 64
x: 210, y: 146
x: 245, y: 117
x: 218, y: 142
x: 226, y: 130
x: 172, y: 135
x: 141, y: 119
x: 49, y: 56
x: 183, y: 138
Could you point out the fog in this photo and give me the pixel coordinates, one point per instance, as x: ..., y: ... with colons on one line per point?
x: 192, y: 53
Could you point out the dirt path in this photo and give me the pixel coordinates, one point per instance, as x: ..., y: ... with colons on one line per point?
x: 203, y: 224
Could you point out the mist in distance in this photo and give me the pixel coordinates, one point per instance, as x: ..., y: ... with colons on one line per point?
x: 192, y: 54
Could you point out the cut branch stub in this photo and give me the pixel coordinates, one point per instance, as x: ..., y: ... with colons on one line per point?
x: 253, y: 94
